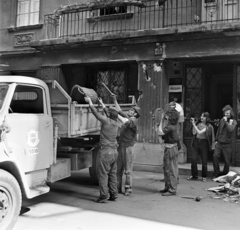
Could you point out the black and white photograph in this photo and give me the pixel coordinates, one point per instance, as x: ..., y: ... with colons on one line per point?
x: 119, y: 114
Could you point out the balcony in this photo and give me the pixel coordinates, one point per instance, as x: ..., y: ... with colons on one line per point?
x: 123, y: 18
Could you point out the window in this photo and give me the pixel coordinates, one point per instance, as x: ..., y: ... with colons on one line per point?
x: 113, y: 10
x: 27, y: 99
x: 210, y: 1
x: 115, y: 80
x: 28, y: 12
x: 193, y: 97
x: 3, y: 93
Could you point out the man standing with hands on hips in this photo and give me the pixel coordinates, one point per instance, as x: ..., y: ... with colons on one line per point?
x: 224, y: 141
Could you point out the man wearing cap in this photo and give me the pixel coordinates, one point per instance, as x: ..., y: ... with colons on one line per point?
x: 107, y: 155
x: 126, y: 142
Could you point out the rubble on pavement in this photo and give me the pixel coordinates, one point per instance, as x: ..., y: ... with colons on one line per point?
x: 230, y: 190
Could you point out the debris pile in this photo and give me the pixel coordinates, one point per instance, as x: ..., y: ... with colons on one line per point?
x: 230, y: 190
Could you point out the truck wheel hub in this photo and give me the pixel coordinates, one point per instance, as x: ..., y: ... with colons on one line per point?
x: 4, y: 204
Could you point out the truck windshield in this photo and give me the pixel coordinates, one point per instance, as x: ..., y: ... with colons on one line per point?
x: 3, y: 93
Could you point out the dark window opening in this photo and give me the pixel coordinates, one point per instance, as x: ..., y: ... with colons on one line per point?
x: 27, y: 99
x: 115, y: 81
x: 210, y: 1
x: 113, y: 10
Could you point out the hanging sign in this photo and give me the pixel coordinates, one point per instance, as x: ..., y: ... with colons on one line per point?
x: 175, y: 88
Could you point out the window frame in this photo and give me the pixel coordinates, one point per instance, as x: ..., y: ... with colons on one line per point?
x: 28, y: 13
x: 13, y: 18
x: 4, y: 99
x: 102, y: 73
x: 43, y: 94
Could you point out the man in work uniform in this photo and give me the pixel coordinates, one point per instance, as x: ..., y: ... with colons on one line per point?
x: 171, y: 147
x: 126, y: 142
x: 107, y: 155
x: 224, y: 141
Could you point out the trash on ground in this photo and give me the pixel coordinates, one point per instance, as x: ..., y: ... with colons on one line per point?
x: 197, y: 198
x: 230, y: 191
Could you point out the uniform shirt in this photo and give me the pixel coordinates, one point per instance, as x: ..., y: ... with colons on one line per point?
x: 128, y: 130
x: 171, y: 134
x: 109, y: 129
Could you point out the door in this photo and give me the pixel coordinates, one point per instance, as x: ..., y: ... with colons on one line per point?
x: 192, y: 102
x: 31, y: 128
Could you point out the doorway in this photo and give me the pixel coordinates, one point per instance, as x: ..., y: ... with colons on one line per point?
x: 219, y: 92
x: 218, y: 82
x: 208, y: 88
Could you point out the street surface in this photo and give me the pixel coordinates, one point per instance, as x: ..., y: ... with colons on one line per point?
x: 70, y: 206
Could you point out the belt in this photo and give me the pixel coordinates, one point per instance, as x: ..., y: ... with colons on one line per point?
x: 169, y: 146
x: 108, y: 146
x: 224, y: 143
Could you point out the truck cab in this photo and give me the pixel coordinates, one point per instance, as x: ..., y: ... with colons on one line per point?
x: 26, y: 147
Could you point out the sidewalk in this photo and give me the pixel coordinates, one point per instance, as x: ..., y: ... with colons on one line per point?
x: 184, y: 169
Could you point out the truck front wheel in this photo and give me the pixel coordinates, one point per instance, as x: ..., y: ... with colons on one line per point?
x: 10, y: 200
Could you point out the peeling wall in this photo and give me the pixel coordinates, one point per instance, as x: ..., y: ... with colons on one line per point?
x: 152, y: 97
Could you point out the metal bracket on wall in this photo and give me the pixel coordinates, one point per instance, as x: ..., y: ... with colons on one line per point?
x: 160, y: 50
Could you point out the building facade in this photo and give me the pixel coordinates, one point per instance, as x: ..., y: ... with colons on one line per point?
x: 155, y: 50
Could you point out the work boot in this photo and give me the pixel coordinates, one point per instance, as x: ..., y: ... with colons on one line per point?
x: 128, y: 191
x: 164, y: 190
x: 101, y: 200
x: 169, y: 194
x: 113, y: 197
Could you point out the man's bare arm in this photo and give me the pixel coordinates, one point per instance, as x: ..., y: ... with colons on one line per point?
x: 117, y: 106
x: 100, y: 117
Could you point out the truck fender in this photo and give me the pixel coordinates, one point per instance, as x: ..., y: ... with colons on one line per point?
x: 12, y: 166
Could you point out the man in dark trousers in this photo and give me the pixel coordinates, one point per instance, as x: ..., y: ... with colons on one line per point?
x: 107, y: 155
x: 224, y: 141
x: 170, y: 131
x: 126, y: 142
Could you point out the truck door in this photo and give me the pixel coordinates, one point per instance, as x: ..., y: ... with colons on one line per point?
x: 31, y: 125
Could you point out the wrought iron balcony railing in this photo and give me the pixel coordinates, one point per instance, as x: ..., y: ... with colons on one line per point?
x: 129, y: 16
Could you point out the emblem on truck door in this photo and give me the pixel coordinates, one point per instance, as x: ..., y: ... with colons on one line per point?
x: 33, y: 138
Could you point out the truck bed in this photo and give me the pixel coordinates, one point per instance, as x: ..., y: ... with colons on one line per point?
x: 73, y: 119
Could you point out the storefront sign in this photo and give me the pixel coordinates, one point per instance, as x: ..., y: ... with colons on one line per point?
x: 175, y: 88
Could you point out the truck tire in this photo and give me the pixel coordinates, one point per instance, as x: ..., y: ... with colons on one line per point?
x: 10, y: 200
x: 93, y: 169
